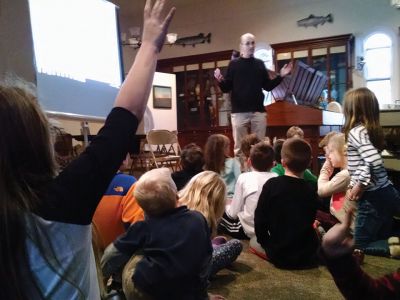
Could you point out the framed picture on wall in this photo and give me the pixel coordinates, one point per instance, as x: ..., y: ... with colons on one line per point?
x: 162, y: 97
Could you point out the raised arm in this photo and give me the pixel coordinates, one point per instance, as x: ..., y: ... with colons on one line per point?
x: 135, y: 90
x: 78, y: 189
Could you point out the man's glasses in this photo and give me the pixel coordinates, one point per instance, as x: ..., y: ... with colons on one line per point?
x: 249, y: 43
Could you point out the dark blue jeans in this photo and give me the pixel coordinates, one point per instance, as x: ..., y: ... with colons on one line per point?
x: 374, y: 219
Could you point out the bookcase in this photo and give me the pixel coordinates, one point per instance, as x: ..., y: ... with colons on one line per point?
x: 202, y: 109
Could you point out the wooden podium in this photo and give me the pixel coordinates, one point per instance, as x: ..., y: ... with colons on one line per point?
x: 296, y: 98
x: 315, y: 123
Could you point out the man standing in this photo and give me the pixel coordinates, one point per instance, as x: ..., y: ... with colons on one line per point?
x: 245, y: 78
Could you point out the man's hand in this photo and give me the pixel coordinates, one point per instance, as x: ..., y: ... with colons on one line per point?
x: 338, y: 241
x: 286, y: 69
x: 155, y: 26
x: 218, y: 75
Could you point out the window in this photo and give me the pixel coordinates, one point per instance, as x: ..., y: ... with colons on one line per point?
x: 378, y: 68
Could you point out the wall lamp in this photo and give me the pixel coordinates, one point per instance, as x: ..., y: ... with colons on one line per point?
x: 134, y: 40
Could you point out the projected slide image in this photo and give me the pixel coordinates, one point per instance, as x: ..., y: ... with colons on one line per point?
x: 77, y: 55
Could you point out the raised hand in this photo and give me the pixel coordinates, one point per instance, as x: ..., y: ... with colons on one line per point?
x: 338, y: 240
x: 218, y: 75
x: 286, y: 69
x: 135, y: 90
x: 155, y: 25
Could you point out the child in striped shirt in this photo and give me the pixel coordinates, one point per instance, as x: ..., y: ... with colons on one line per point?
x: 376, y: 197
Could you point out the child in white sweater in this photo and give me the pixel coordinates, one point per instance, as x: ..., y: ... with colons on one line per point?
x: 238, y: 220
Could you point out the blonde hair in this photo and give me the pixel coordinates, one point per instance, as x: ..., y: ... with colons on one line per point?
x: 324, y: 142
x: 295, y: 131
x: 156, y: 192
x: 362, y: 107
x: 338, y: 142
x: 205, y: 193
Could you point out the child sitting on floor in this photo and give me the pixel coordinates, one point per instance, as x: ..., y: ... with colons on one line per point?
x: 238, y: 219
x: 336, y: 186
x: 280, y: 170
x: 295, y: 131
x: 217, y: 159
x: 245, y: 147
x: 206, y: 193
x: 116, y: 210
x: 192, y: 162
x: 170, y: 249
x: 286, y: 212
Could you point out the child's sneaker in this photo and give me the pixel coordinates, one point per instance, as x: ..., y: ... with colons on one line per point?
x: 394, y: 246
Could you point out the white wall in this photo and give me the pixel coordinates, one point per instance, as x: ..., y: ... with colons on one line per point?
x: 156, y: 118
x: 272, y: 21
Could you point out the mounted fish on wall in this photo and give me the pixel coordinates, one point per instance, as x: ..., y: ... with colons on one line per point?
x: 312, y: 20
x: 193, y: 40
x: 135, y: 41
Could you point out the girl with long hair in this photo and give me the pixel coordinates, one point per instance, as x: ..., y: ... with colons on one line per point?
x: 206, y: 193
x: 217, y: 159
x: 377, y: 199
x: 45, y: 232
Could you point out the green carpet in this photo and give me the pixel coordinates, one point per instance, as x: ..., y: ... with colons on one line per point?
x: 250, y: 277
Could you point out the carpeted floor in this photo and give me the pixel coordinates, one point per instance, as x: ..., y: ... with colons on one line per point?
x: 250, y: 277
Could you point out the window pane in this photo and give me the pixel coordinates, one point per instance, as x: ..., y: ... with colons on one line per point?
x: 283, y: 56
x: 208, y: 65
x: 381, y: 88
x: 319, y: 52
x: 378, y: 63
x: 337, y: 49
x: 222, y: 63
x: 378, y: 40
x: 300, y: 54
